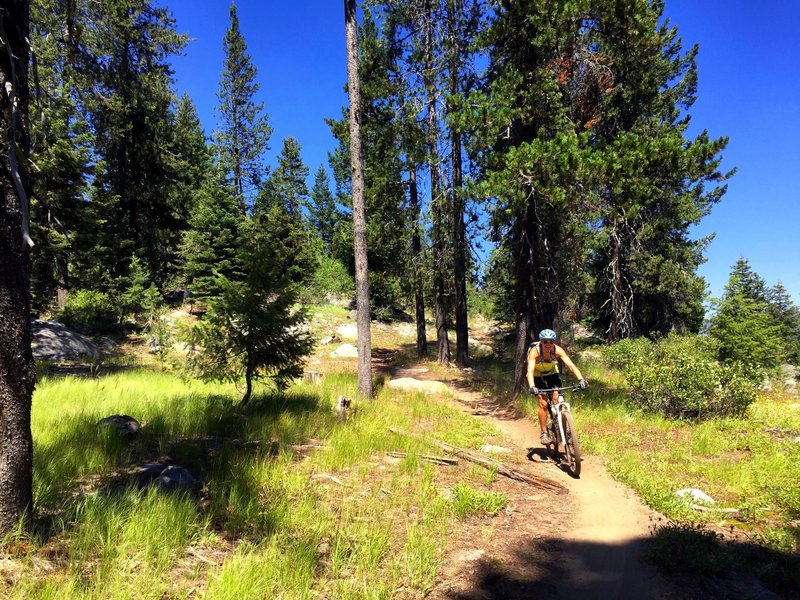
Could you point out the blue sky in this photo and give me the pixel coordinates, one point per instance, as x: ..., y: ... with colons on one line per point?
x: 749, y: 90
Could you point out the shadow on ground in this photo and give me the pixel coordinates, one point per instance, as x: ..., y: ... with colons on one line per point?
x: 538, y: 570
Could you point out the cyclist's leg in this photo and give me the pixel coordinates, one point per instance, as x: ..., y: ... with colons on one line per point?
x: 539, y: 382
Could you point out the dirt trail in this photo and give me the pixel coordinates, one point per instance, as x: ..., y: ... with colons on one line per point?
x: 586, y: 544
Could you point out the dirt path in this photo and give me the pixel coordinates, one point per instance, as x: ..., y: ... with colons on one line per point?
x: 586, y: 544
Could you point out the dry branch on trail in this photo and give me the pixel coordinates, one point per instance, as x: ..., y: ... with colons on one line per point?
x: 440, y: 460
x: 489, y: 463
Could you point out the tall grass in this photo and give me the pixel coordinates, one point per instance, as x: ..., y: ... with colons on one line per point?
x: 265, y: 521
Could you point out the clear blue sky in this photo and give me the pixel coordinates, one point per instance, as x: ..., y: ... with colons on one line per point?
x: 749, y: 90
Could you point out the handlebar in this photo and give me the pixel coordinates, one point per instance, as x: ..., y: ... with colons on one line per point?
x: 569, y: 388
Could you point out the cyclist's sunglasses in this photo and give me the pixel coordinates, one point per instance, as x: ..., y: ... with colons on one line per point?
x: 548, y: 341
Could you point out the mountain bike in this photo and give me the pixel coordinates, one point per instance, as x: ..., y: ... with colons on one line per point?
x: 561, y: 428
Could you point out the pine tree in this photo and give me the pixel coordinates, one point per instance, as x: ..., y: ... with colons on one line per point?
x: 243, y: 134
x: 533, y: 156
x: 121, y: 51
x: 323, y: 213
x: 359, y: 213
x: 209, y: 247
x: 653, y: 183
x: 191, y: 164
x: 253, y: 329
x: 787, y: 315
x: 743, y: 325
x: 61, y: 148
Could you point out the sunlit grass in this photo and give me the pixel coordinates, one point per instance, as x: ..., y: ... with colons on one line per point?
x: 337, y: 520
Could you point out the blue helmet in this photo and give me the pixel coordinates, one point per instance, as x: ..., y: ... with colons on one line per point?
x: 547, y: 334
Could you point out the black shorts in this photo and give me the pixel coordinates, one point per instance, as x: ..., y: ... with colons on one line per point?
x: 548, y: 381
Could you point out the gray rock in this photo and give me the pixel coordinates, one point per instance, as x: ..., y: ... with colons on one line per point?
x: 175, y: 478
x: 55, y: 341
x: 126, y: 426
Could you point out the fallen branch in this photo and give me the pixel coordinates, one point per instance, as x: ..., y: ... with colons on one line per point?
x: 441, y: 460
x: 489, y: 463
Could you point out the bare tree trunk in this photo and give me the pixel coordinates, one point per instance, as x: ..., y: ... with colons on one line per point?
x: 443, y: 343
x: 459, y: 233
x: 416, y: 251
x: 359, y: 214
x: 17, y: 374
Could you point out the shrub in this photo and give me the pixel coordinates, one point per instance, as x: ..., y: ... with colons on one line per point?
x: 625, y: 351
x: 680, y: 377
x: 332, y: 279
x: 89, y: 312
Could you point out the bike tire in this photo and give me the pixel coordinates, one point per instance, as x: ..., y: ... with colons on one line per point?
x: 572, y: 447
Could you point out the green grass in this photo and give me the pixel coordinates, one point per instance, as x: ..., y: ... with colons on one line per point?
x: 265, y: 521
x: 736, y: 461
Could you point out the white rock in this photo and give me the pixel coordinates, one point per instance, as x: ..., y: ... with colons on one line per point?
x: 489, y: 449
x: 345, y: 351
x: 348, y: 331
x: 695, y: 494
x: 409, y: 384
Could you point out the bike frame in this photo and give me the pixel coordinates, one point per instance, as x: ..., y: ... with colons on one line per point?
x: 558, y: 407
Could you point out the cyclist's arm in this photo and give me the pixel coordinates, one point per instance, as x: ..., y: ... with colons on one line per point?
x: 531, y: 365
x: 568, y: 361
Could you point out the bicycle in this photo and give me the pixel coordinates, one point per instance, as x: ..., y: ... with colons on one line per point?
x: 561, y: 429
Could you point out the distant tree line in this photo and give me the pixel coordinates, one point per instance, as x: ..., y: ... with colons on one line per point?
x: 555, y: 132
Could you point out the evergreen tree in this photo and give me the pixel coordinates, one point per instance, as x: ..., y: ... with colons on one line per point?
x: 288, y: 181
x: 190, y: 161
x: 384, y: 192
x: 121, y: 51
x: 652, y: 186
x: 322, y: 210
x: 743, y: 324
x: 253, y: 329
x: 278, y: 207
x: 244, y: 132
x: 61, y: 150
x: 533, y: 154
x: 359, y: 212
x: 209, y: 246
x: 787, y: 315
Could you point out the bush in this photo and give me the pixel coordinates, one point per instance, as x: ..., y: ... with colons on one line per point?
x: 628, y: 350
x: 680, y: 377
x: 332, y: 279
x: 89, y: 312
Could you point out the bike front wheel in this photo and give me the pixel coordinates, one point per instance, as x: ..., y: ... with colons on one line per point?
x: 572, y: 447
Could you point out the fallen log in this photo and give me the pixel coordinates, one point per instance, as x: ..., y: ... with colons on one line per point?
x: 489, y: 463
x: 441, y: 460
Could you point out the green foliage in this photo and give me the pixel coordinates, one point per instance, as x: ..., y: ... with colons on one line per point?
x: 323, y: 213
x: 746, y: 328
x: 244, y: 132
x: 133, y: 297
x: 253, y: 329
x: 468, y: 501
x: 626, y: 351
x: 679, y: 376
x: 89, y: 311
x: 209, y: 245
x: 331, y: 278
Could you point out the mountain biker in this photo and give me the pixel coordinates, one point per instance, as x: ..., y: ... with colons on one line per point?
x: 543, y: 373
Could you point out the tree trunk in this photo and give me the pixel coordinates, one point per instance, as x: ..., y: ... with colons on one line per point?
x: 416, y: 251
x: 443, y: 343
x: 17, y: 374
x: 459, y: 233
x: 359, y: 215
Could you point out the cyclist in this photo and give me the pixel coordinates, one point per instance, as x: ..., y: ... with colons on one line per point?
x: 543, y: 373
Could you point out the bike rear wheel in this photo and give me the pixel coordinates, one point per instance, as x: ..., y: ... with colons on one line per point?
x: 572, y: 447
